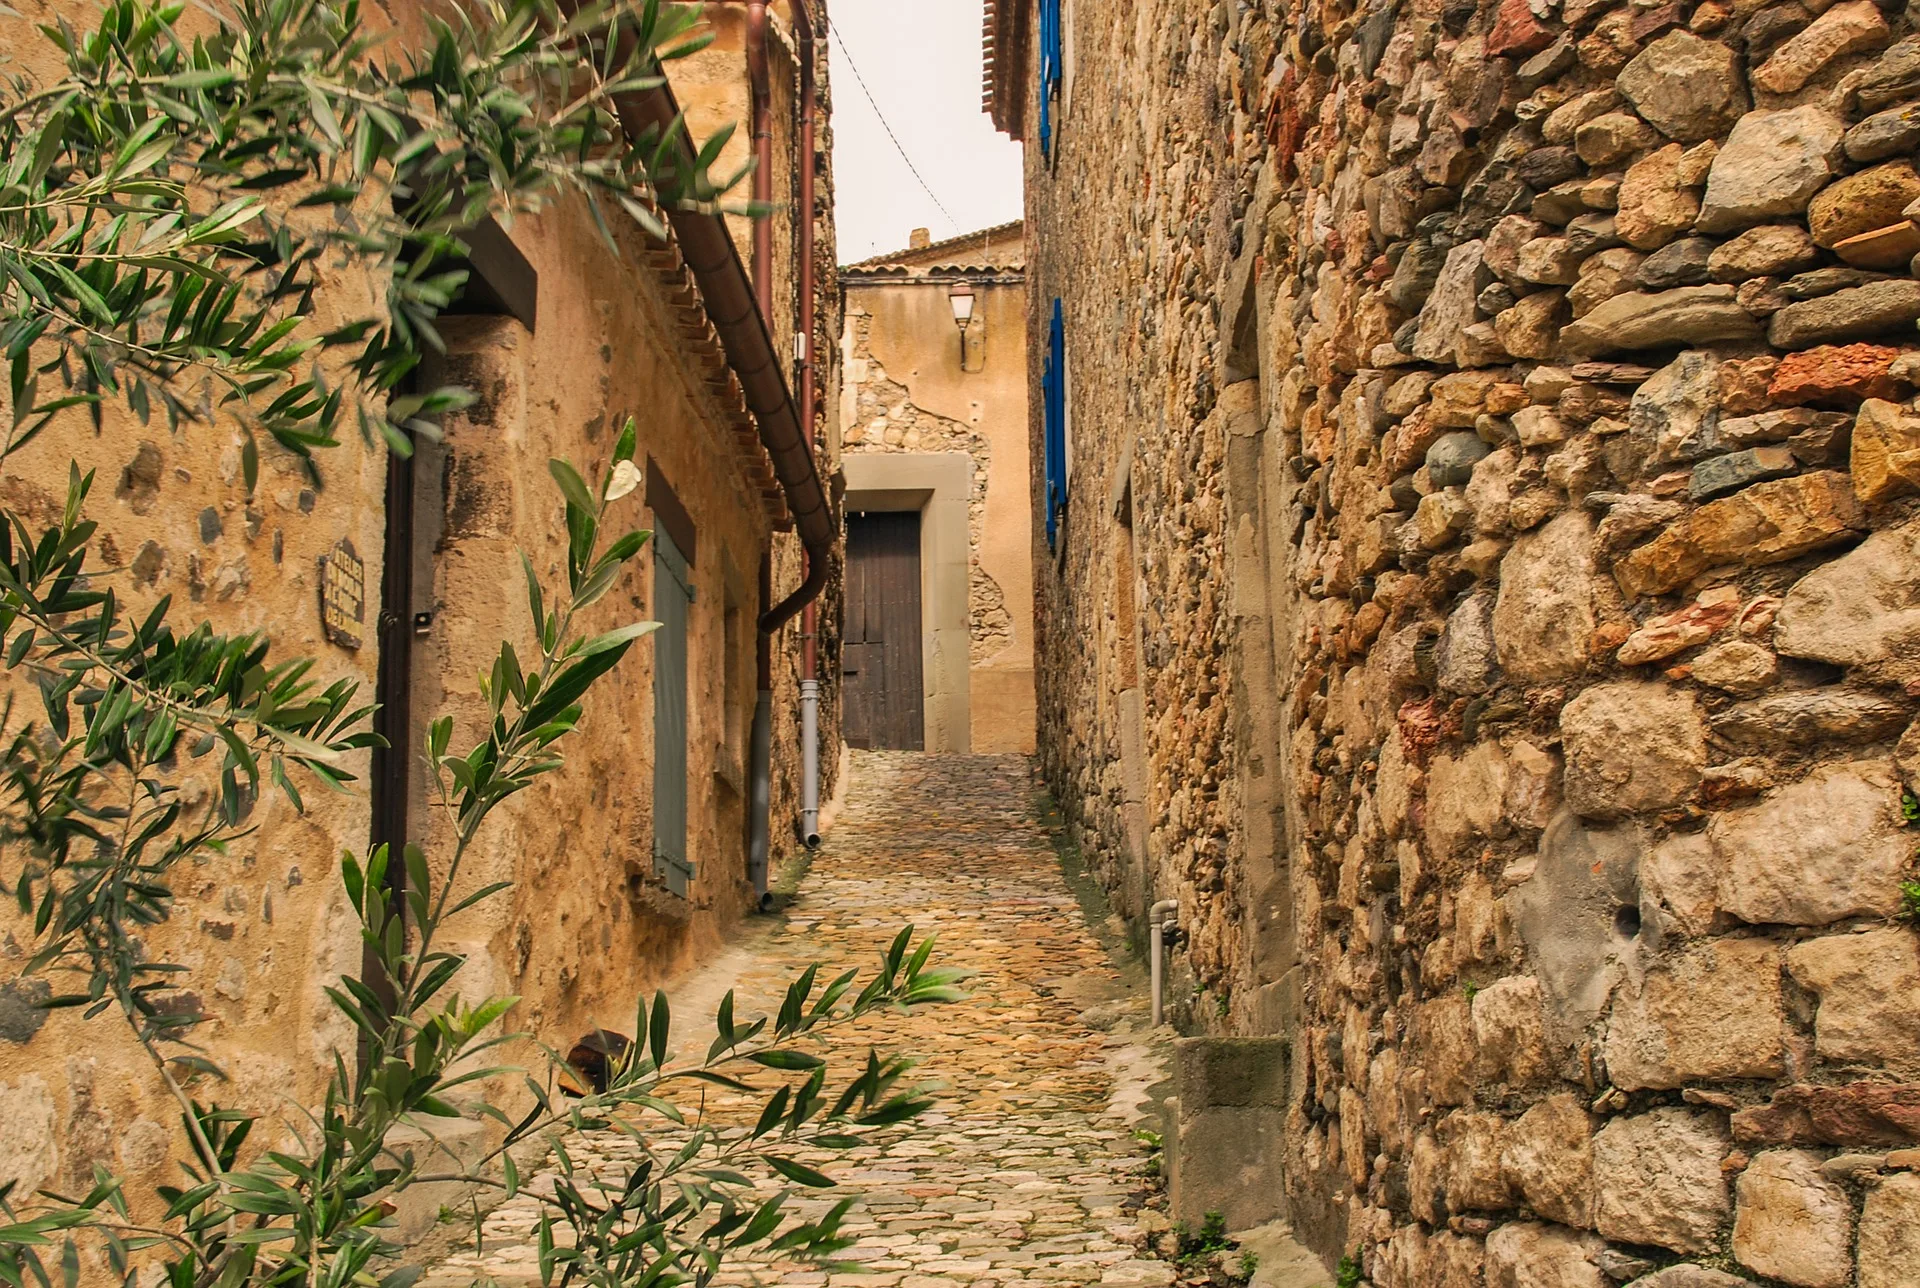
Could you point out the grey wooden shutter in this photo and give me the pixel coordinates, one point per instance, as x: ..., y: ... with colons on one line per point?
x: 673, y: 598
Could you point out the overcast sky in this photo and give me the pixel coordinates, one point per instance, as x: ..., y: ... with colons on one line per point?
x: 921, y: 60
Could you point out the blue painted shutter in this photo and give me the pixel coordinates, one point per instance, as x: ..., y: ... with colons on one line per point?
x: 1053, y: 392
x: 673, y: 598
x: 1050, y: 71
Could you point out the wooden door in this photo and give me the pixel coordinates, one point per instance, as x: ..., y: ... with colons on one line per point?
x: 880, y: 650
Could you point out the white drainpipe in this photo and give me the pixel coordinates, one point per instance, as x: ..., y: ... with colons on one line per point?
x: 810, y: 762
x: 1157, y: 924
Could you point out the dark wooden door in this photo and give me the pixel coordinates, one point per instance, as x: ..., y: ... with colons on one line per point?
x: 880, y: 649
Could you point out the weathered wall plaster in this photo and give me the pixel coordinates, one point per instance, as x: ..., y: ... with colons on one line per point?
x: 906, y: 392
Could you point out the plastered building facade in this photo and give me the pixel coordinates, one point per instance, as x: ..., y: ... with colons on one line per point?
x: 591, y: 335
x: 1481, y: 596
x: 936, y: 419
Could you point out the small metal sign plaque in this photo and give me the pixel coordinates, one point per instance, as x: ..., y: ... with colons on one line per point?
x: 343, y: 594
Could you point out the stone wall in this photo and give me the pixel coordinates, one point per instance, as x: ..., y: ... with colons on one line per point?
x: 588, y: 929
x: 1503, y: 421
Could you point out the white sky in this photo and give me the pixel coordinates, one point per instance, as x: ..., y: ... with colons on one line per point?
x: 921, y: 59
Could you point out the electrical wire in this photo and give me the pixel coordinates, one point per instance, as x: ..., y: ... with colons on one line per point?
x: 885, y: 125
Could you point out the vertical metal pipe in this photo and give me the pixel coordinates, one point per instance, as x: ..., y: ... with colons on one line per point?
x: 760, y: 788
x: 810, y: 762
x: 810, y: 620
x: 1157, y: 932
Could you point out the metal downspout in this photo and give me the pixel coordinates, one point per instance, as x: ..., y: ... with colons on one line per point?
x: 733, y: 307
x: 760, y: 797
x: 809, y: 619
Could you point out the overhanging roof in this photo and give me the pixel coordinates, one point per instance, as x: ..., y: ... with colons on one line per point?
x: 1007, y: 31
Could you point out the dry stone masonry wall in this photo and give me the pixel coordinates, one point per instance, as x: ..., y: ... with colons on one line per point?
x: 1504, y: 417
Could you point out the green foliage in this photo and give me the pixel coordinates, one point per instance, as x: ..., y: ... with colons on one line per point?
x: 1347, y: 1274
x: 102, y: 825
x: 91, y: 806
x: 1249, y: 1265
x: 1211, y: 1238
x: 1909, y: 807
x: 1910, y: 900
x: 168, y: 208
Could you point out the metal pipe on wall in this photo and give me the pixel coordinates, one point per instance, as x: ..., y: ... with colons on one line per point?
x: 759, y: 79
x: 733, y: 304
x: 760, y: 762
x: 1157, y: 924
x: 759, y: 71
x: 810, y: 618
x: 760, y: 782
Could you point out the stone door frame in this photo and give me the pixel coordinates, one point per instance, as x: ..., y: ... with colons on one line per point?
x: 940, y: 486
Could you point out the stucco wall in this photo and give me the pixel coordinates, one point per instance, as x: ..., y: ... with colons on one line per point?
x: 906, y: 393
x: 1503, y: 415
x: 586, y: 929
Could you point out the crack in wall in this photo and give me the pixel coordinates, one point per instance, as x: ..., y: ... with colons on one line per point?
x: 886, y: 419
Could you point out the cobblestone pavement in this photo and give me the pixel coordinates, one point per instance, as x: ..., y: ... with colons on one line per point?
x: 1028, y: 1170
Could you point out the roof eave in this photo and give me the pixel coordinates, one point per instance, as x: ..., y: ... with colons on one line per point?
x: 1006, y: 32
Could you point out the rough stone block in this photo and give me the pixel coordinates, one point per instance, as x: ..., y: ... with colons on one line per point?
x: 22, y: 1009
x: 1828, y: 847
x: 1862, y: 611
x: 1861, y: 1114
x: 1475, y: 1181
x: 1792, y: 1223
x: 1545, y: 615
x: 29, y: 1152
x: 1509, y: 1031
x: 1225, y: 1138
x: 1770, y: 165
x: 1531, y: 1255
x: 1710, y: 1013
x: 1632, y: 747
x: 1889, y: 1246
x: 1807, y: 717
x: 1687, y: 87
x: 1869, y: 990
x: 1683, y: 315
x: 1886, y: 452
x: 1764, y: 524
x: 1465, y: 797
x: 1548, y: 1158
x: 1657, y: 1179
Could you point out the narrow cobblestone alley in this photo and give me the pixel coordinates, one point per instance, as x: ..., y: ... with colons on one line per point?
x: 1028, y: 1169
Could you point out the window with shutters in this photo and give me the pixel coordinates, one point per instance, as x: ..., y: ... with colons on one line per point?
x: 1054, y: 426
x: 672, y: 607
x: 1052, y: 71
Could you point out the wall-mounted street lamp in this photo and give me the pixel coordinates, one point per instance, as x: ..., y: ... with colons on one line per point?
x: 961, y: 299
